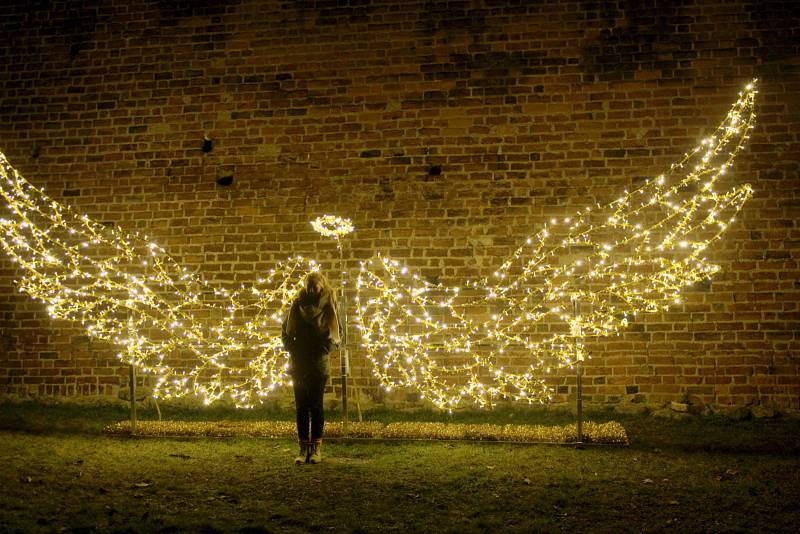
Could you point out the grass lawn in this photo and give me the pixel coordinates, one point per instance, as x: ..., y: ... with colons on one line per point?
x: 60, y: 473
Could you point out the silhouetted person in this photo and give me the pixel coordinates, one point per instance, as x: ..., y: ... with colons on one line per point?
x: 310, y: 332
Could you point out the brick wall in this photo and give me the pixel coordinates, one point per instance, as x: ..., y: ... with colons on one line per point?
x: 447, y: 131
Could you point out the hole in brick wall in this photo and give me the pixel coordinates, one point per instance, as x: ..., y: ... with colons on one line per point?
x: 35, y: 152
x: 434, y: 170
x: 224, y: 181
x: 208, y: 145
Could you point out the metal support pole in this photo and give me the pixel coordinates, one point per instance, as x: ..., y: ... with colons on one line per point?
x: 132, y: 385
x: 580, y: 402
x: 345, y: 417
x: 578, y: 336
x: 343, y: 352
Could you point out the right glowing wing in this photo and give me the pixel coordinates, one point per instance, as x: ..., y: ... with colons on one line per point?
x: 498, y: 338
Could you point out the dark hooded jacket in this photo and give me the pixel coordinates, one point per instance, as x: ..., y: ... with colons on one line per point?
x: 306, y: 335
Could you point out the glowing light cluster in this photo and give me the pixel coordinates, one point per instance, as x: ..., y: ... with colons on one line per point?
x: 332, y: 226
x: 635, y: 254
x: 125, y: 289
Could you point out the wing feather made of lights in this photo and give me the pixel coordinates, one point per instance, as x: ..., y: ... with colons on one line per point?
x: 500, y: 337
x: 125, y: 289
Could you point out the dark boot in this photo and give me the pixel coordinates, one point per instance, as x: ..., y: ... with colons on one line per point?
x: 315, y: 453
x: 305, y: 450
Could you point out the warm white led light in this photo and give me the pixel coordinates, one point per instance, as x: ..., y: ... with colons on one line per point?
x: 490, y: 339
x: 332, y: 226
x: 635, y: 254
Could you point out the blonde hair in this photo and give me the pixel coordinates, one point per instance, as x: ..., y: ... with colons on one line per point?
x: 330, y: 319
x: 319, y: 280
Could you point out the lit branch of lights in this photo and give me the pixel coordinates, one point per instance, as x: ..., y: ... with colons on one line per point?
x: 125, y: 289
x: 636, y: 254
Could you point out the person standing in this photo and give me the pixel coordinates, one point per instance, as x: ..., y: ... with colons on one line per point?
x: 309, y: 333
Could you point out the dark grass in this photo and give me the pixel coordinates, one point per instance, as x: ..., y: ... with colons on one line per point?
x: 59, y: 473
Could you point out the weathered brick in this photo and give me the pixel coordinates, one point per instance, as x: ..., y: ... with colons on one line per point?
x: 446, y: 157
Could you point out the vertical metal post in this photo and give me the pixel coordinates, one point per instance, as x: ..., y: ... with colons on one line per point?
x: 343, y: 353
x: 345, y: 415
x: 132, y: 385
x: 578, y: 336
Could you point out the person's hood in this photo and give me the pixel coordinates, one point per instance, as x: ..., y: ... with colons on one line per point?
x: 311, y: 310
x: 312, y: 307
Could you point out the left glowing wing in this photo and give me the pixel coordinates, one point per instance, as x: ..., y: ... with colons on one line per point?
x: 125, y: 289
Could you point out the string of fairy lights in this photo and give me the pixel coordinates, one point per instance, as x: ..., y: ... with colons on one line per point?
x: 125, y: 289
x: 490, y: 339
x: 500, y: 337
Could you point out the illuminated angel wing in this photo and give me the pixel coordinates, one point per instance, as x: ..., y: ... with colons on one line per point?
x: 498, y: 338
x: 128, y: 291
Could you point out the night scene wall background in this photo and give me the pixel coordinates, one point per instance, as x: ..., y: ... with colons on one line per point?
x: 446, y: 131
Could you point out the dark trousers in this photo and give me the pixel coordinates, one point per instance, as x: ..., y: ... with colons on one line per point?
x: 308, y: 391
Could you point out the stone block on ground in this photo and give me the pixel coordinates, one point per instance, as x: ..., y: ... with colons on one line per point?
x: 763, y: 411
x: 631, y: 408
x: 679, y: 407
